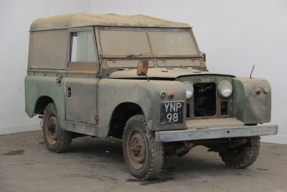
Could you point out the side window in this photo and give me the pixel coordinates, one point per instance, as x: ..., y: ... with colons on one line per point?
x: 83, y: 47
x: 48, y: 49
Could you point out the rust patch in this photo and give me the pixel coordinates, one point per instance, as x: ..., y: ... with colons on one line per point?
x: 104, y: 64
x: 96, y: 116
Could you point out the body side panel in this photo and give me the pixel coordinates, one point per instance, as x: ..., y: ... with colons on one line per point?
x: 80, y: 99
x: 38, y: 86
x: 146, y: 94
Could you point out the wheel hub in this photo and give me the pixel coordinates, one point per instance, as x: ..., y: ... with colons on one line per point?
x: 52, y: 129
x: 136, y: 149
x: 52, y: 126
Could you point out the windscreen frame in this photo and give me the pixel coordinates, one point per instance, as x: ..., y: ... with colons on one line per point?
x: 151, y: 55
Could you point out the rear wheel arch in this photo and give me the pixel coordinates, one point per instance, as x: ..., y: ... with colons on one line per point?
x: 41, y: 104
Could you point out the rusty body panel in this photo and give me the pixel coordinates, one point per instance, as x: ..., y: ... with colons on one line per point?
x: 219, y: 100
x: 87, y: 85
x: 77, y: 98
x: 42, y: 86
x: 142, y: 79
x: 250, y: 107
x: 145, y: 94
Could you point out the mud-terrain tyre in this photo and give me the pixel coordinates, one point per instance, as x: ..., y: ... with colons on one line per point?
x: 56, y: 139
x: 242, y: 156
x: 143, y: 156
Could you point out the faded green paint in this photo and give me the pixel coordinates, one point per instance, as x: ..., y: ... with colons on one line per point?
x: 81, y: 104
x: 141, y: 92
x: 249, y: 107
x: 38, y: 86
x: 96, y: 94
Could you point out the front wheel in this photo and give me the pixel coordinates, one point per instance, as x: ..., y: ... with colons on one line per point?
x: 56, y: 139
x: 242, y: 156
x: 143, y: 156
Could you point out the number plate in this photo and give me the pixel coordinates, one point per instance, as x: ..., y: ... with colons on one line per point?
x: 171, y: 112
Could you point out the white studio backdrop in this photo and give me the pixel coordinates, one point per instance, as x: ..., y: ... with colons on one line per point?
x: 235, y: 35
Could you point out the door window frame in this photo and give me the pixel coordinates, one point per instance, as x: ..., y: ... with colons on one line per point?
x: 82, y: 67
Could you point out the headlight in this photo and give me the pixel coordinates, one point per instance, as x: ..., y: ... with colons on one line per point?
x: 225, y: 88
x: 189, y: 89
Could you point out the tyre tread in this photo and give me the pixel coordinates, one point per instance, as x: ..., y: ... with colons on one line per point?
x: 66, y: 136
x: 249, y: 156
x: 156, y: 151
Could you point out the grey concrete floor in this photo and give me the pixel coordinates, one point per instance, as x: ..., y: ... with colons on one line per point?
x: 98, y: 165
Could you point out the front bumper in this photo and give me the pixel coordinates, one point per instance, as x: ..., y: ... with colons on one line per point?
x: 216, y: 133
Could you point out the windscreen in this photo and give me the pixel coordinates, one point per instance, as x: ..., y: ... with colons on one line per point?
x: 172, y: 43
x: 124, y: 42
x: 150, y: 43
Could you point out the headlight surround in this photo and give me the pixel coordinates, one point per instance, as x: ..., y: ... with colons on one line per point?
x: 225, y: 89
x: 188, y: 88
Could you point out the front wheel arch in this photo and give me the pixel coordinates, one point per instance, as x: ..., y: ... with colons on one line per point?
x: 121, y: 114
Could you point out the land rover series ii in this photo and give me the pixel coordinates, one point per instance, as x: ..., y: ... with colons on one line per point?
x: 144, y: 80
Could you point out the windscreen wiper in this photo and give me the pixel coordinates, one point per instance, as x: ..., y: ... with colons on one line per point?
x: 136, y: 55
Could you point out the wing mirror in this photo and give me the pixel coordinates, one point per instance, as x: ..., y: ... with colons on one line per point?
x: 143, y: 68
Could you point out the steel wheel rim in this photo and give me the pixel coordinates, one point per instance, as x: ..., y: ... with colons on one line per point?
x: 136, y: 149
x: 52, y: 129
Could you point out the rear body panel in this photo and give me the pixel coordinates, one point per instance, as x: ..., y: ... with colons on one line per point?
x: 44, y: 86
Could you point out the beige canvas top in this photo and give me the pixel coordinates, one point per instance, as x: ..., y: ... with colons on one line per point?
x: 87, y: 19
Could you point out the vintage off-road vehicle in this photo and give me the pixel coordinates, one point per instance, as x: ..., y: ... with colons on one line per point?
x: 144, y: 80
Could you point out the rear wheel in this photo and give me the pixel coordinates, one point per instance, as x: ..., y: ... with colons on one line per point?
x: 143, y: 156
x: 56, y: 139
x: 242, y: 156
